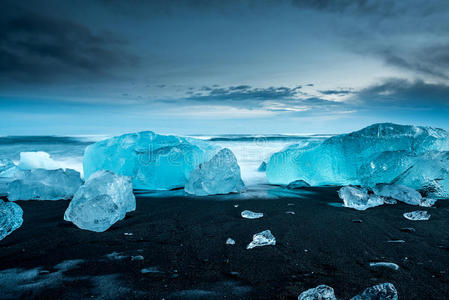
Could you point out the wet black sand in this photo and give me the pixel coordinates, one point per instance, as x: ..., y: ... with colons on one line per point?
x: 185, y: 239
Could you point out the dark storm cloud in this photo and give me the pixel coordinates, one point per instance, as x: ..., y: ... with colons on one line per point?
x: 244, y: 92
x: 337, y: 92
x: 35, y: 47
x: 406, y: 94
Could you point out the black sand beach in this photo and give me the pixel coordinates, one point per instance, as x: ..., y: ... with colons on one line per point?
x: 182, y: 241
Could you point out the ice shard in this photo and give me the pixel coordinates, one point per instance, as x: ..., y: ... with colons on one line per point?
x: 418, y: 215
x: 11, y: 218
x: 247, y: 214
x: 384, y: 291
x: 321, y: 292
x: 376, y: 154
x: 155, y: 162
x: 358, y: 198
x: 398, y: 192
x: 104, y: 199
x: 41, y: 184
x: 264, y: 238
x: 219, y: 175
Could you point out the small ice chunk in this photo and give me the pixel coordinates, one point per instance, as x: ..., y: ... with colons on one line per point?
x: 427, y: 202
x: 263, y: 238
x: 37, y: 160
x: 408, y: 229
x: 297, y: 184
x: 220, y: 175
x: 41, y: 184
x: 150, y: 270
x: 230, y: 241
x: 137, y: 257
x: 390, y: 201
x: 382, y: 264
x: 11, y: 218
x: 358, y: 198
x: 384, y: 291
x: 399, y: 192
x: 321, y: 292
x: 236, y: 205
x: 396, y: 241
x: 128, y: 233
x: 115, y: 256
x: 290, y: 212
x: 262, y: 167
x: 247, y: 214
x: 103, y: 200
x: 418, y: 215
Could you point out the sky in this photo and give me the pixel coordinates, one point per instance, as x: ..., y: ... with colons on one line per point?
x: 221, y: 67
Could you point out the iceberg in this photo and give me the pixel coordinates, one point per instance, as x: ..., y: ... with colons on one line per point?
x: 104, y: 199
x: 358, y: 198
x: 219, y: 175
x: 247, y: 214
x: 384, y: 291
x: 321, y: 292
x: 264, y: 238
x: 398, y: 192
x: 418, y: 215
x: 376, y: 154
x: 41, y: 184
x: 11, y: 218
x: 37, y: 160
x: 155, y: 162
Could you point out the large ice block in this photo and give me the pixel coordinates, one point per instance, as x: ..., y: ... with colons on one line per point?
x: 103, y: 200
x: 398, y: 192
x: 155, y: 162
x: 10, y: 218
x: 348, y: 158
x: 220, y: 175
x: 358, y: 198
x: 41, y: 184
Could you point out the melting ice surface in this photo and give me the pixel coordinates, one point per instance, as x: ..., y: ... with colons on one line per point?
x: 380, y: 153
x: 104, y: 199
x: 321, y: 292
x: 10, y: 218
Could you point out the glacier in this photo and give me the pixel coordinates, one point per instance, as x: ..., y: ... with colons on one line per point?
x: 41, y: 184
x: 11, y: 218
x: 413, y: 156
x: 219, y: 175
x: 103, y: 200
x: 155, y: 162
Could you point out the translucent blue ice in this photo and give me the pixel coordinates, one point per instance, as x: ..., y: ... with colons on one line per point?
x: 383, y: 291
x: 10, y: 218
x: 321, y: 292
x: 155, y: 162
x: 379, y: 153
x: 220, y: 175
x: 103, y: 200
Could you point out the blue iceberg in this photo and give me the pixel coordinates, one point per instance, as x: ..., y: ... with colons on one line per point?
x: 380, y: 153
x: 155, y: 162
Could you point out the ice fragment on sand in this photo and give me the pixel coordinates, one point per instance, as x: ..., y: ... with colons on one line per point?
x: 10, y: 218
x: 389, y: 265
x: 321, y: 292
x: 297, y: 184
x: 137, y: 257
x: 41, y: 184
x: 358, y: 198
x: 398, y: 192
x: 263, y: 238
x: 427, y: 202
x: 150, y: 270
x: 247, y: 214
x: 37, y: 160
x: 384, y: 291
x: 155, y: 162
x: 418, y: 215
x: 230, y: 241
x: 103, y: 200
x: 219, y: 175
